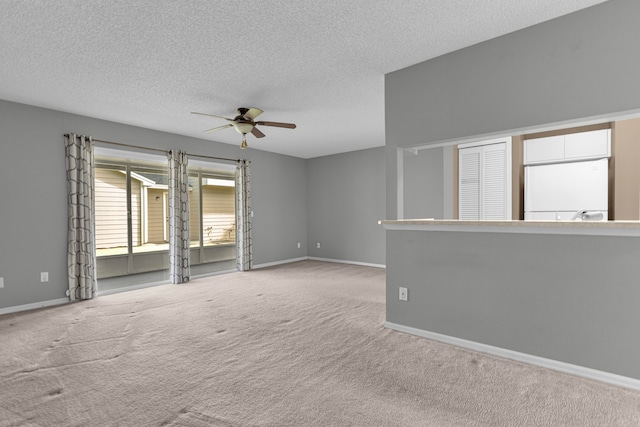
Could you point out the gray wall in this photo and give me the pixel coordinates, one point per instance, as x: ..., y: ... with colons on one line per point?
x: 279, y: 202
x: 424, y: 185
x: 578, y: 66
x: 346, y: 199
x: 33, y: 208
x: 567, y: 298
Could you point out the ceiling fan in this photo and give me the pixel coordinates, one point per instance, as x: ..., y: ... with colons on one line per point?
x: 244, y: 123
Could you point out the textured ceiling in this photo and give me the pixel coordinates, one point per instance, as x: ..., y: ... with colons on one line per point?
x: 319, y: 64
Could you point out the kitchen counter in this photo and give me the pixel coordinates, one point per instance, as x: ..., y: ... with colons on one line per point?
x: 590, y: 228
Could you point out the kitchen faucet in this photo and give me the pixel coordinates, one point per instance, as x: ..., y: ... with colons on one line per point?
x: 585, y: 215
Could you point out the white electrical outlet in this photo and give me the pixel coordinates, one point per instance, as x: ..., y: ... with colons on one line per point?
x: 318, y: 245
x: 298, y: 245
x: 404, y: 294
x: 1, y: 282
x: 44, y: 276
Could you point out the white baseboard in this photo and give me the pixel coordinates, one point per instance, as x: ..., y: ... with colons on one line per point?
x: 567, y: 368
x: 284, y: 261
x: 342, y: 261
x: 33, y: 305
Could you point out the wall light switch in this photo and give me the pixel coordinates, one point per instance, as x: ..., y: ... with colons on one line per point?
x: 1, y: 282
x: 44, y: 276
x: 404, y: 294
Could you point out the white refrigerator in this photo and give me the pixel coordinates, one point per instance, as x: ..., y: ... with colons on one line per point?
x: 567, y: 191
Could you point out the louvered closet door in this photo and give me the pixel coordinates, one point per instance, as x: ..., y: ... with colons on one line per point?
x: 482, y: 184
x: 494, y: 182
x: 469, y: 183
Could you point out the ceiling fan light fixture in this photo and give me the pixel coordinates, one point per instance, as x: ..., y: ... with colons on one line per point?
x: 243, y: 128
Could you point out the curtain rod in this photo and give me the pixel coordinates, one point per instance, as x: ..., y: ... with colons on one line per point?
x: 158, y: 149
x: 212, y: 157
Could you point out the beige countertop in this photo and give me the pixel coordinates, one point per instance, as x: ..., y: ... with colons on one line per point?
x: 603, y: 228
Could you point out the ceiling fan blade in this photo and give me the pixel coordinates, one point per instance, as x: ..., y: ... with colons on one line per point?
x: 253, y: 112
x: 277, y: 124
x: 257, y: 133
x: 212, y: 115
x: 218, y: 128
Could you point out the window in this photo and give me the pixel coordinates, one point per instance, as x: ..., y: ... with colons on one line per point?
x: 131, y: 218
x: 131, y: 209
x: 212, y: 213
x: 216, y: 222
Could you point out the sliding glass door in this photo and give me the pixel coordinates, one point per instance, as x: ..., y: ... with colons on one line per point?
x: 132, y: 218
x: 212, y: 220
x: 131, y: 224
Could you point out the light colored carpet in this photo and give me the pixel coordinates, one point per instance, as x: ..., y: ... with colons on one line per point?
x: 294, y: 345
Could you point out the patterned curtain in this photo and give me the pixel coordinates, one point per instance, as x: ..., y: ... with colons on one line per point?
x: 179, y: 271
x: 243, y: 216
x: 81, y: 254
